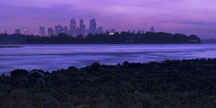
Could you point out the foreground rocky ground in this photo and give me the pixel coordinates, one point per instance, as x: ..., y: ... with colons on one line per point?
x: 169, y: 84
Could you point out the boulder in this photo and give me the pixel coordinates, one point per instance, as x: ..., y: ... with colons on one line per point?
x: 36, y: 77
x: 19, y: 73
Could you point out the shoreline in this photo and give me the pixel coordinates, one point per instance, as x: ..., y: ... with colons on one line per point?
x: 119, y: 64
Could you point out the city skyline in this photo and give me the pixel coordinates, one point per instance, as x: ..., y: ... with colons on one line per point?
x: 176, y: 16
x: 74, y: 29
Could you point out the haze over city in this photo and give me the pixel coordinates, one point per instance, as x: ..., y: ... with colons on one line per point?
x: 174, y: 16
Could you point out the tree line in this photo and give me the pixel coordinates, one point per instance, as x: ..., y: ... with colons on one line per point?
x: 106, y: 38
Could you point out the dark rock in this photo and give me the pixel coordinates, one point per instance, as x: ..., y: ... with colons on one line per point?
x: 125, y: 64
x: 72, y: 68
x: 19, y: 73
x: 95, y: 65
x: 36, y: 77
x: 35, y: 74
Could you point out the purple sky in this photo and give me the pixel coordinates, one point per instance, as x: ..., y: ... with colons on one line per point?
x: 175, y: 16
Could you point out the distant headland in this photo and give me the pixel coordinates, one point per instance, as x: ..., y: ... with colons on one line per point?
x: 10, y: 46
x: 105, y: 38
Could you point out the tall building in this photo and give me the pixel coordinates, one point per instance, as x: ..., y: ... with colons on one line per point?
x: 17, y: 31
x: 65, y: 30
x: 152, y: 29
x: 58, y: 29
x: 100, y: 30
x: 82, y: 27
x: 50, y: 31
x: 42, y: 31
x: 87, y: 31
x: 73, y: 27
x: 93, y: 26
x: 78, y: 31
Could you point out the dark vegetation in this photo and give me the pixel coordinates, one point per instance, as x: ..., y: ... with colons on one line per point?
x: 169, y: 84
x: 117, y: 38
x: 209, y: 41
x: 10, y: 46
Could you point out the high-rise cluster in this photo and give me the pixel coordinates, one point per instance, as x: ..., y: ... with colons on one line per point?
x: 74, y: 30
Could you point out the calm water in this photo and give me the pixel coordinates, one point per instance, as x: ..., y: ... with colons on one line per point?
x: 54, y: 57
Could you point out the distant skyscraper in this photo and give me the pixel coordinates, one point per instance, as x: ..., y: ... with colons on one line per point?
x: 17, y: 31
x: 93, y: 26
x: 50, y: 31
x: 73, y: 27
x: 152, y: 29
x: 65, y: 30
x: 59, y: 29
x: 100, y: 30
x: 87, y: 31
x: 42, y: 31
x: 82, y: 27
x: 78, y: 31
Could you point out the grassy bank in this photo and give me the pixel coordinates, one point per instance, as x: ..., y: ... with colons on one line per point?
x: 169, y: 84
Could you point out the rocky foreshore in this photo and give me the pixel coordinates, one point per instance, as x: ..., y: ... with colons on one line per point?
x: 169, y: 84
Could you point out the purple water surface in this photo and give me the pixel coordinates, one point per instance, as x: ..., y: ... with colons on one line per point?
x: 54, y: 57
